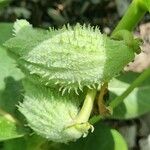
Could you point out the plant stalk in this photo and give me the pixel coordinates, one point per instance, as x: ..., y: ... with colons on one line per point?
x: 134, y: 84
x: 133, y: 15
x: 114, y: 103
x: 87, y: 107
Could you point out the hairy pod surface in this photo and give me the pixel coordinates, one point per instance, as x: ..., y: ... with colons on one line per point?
x: 71, y: 57
x: 52, y: 115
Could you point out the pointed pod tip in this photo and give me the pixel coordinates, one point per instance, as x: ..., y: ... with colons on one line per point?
x: 20, y: 24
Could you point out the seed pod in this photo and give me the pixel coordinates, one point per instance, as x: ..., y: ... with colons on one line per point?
x: 52, y: 115
x: 71, y: 58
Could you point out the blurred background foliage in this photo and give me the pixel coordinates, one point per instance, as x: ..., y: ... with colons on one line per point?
x: 45, y: 13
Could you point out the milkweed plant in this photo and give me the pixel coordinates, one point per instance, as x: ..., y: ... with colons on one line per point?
x: 72, y: 79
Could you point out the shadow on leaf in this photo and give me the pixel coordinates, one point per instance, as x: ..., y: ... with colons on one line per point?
x: 11, y: 95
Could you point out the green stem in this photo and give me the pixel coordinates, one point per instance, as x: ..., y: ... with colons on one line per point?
x: 95, y: 119
x: 133, y: 15
x: 87, y: 107
x: 135, y: 83
x: 114, y: 103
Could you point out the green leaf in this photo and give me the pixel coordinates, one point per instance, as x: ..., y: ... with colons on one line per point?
x: 4, y: 3
x: 9, y: 128
x: 15, y: 144
x: 10, y: 76
x: 5, y: 32
x: 147, y: 2
x: 10, y: 94
x: 103, y: 138
x: 33, y: 142
x: 136, y: 103
x: 10, y: 85
x: 10, y: 89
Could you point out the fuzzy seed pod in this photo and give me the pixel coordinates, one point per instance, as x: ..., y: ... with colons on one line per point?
x: 52, y: 115
x: 70, y: 58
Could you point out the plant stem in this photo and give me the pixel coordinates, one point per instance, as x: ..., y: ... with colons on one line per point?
x: 133, y: 15
x: 87, y: 107
x: 134, y: 84
x: 95, y: 119
x: 114, y: 103
x: 101, y: 102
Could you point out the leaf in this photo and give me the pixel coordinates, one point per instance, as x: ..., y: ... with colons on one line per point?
x: 31, y: 142
x: 147, y: 3
x: 10, y: 76
x: 9, y: 129
x: 10, y: 89
x: 15, y: 144
x: 136, y: 103
x: 4, y: 3
x: 6, y: 32
x: 103, y: 138
x: 9, y: 95
x: 10, y: 85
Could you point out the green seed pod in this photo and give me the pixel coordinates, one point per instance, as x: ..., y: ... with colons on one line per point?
x: 71, y: 58
x: 52, y: 115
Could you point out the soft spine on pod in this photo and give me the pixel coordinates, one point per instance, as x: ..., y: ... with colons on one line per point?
x: 67, y: 59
